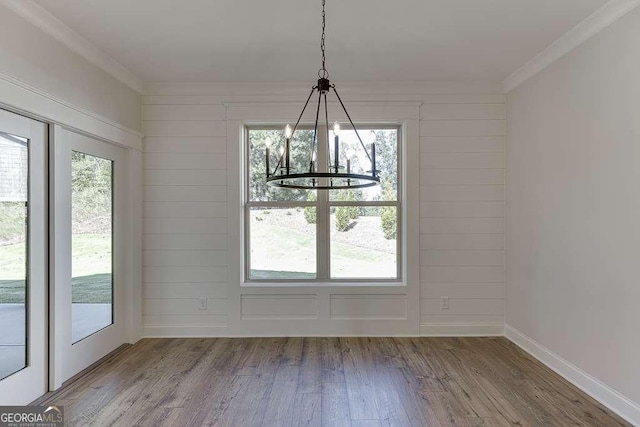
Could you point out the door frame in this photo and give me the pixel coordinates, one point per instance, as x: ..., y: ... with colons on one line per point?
x: 30, y: 382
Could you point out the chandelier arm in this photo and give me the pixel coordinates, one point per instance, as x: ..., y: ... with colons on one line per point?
x: 315, y: 133
x: 279, y: 164
x: 351, y: 121
x: 303, y: 109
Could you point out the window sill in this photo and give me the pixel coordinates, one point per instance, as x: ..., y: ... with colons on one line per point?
x: 324, y: 284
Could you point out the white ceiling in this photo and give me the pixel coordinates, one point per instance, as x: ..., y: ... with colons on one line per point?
x: 278, y: 40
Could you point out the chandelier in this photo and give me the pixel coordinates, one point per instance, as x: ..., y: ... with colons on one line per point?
x: 317, y: 176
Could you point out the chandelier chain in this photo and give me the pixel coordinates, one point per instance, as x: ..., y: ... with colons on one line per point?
x: 322, y: 46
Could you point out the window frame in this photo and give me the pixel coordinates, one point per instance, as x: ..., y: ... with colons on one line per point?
x: 323, y: 206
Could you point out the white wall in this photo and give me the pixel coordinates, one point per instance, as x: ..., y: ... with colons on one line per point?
x: 34, y: 58
x: 191, y: 215
x: 573, y: 208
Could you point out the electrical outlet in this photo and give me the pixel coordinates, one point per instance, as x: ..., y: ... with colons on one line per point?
x: 203, y: 303
x: 444, y: 303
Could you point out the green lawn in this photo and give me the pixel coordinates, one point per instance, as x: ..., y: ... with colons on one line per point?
x: 285, y: 249
x: 91, y: 270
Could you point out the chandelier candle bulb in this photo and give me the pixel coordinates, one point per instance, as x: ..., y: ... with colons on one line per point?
x: 373, y: 159
x: 287, y: 135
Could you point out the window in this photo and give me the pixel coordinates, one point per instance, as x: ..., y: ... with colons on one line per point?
x: 324, y: 236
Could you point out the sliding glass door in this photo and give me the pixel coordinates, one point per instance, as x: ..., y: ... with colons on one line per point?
x: 88, y: 294
x: 62, y: 295
x: 23, y: 259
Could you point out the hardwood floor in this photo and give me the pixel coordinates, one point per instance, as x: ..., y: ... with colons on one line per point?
x: 357, y: 382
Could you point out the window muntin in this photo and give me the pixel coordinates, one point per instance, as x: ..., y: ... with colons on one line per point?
x: 365, y: 246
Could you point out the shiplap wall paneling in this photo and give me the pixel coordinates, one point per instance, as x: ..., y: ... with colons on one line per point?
x: 185, y: 227
x: 461, y: 221
x: 462, y: 217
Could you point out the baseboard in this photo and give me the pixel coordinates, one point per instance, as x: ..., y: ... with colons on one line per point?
x: 613, y: 400
x: 223, y: 332
x: 184, y: 331
x: 461, y: 329
x: 426, y: 330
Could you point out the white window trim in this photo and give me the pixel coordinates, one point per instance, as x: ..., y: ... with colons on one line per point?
x: 323, y: 267
x: 400, y: 111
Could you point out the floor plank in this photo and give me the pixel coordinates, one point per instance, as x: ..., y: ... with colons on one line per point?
x: 327, y: 382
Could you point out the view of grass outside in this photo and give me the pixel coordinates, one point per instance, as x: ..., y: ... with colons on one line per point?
x: 91, y: 184
x: 283, y: 245
x: 361, y: 250
x: 89, y: 285
x: 13, y: 253
x: 91, y: 245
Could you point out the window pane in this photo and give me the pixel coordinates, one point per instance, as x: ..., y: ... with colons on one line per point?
x: 92, y: 244
x: 386, y: 141
x: 300, y: 152
x: 14, y: 191
x: 363, y: 242
x: 283, y: 243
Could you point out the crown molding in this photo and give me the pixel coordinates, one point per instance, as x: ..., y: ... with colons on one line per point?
x: 51, y: 25
x: 283, y: 89
x: 592, y: 25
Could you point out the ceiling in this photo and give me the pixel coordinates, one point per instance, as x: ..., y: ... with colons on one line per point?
x: 279, y: 40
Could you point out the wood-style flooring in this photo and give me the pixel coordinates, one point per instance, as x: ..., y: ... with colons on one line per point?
x: 327, y: 382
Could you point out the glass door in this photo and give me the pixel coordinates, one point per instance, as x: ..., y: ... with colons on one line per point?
x: 23, y: 260
x: 88, y: 286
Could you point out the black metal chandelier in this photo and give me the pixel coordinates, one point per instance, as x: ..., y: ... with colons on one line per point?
x: 335, y: 175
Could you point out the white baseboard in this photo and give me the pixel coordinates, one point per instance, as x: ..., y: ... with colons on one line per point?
x: 224, y: 332
x: 613, y: 400
x: 426, y: 330
x: 183, y: 331
x: 461, y: 329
